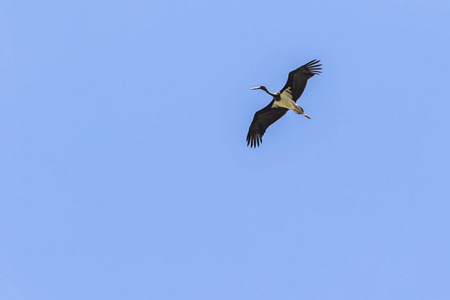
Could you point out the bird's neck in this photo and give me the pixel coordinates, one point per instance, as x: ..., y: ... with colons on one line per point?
x: 267, y: 91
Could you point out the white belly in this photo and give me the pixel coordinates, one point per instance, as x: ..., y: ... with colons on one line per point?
x: 287, y: 102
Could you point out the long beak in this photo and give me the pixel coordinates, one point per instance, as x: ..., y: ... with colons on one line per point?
x: 255, y: 88
x: 307, y: 116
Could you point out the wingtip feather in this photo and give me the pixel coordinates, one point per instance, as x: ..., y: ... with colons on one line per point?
x: 254, y: 139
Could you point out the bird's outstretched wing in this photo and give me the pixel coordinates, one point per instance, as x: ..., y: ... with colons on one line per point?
x: 263, y: 118
x: 297, y: 79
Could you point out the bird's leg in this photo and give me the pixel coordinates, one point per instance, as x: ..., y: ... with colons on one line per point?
x: 299, y: 110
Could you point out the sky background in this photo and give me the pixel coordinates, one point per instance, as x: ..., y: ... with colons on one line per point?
x: 124, y: 171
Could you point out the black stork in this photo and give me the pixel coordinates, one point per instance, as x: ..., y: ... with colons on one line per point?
x: 283, y: 100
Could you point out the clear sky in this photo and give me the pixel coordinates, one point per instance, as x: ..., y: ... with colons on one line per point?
x: 124, y: 171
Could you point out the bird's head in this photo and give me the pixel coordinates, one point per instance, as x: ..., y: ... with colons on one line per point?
x: 261, y: 87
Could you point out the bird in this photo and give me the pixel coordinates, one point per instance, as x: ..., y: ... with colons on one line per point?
x: 282, y: 101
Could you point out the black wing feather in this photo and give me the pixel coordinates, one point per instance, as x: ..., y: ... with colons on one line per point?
x: 299, y: 77
x: 261, y: 121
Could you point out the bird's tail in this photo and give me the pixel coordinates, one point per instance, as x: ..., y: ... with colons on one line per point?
x: 298, y: 109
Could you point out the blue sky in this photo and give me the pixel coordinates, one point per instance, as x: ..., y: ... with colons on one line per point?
x: 124, y: 168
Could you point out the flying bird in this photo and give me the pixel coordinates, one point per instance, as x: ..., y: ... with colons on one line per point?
x: 282, y: 101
